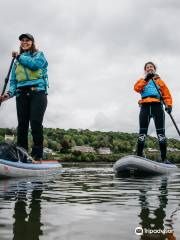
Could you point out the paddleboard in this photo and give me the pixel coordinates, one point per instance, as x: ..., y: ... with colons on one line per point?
x: 10, y: 169
x: 140, y: 166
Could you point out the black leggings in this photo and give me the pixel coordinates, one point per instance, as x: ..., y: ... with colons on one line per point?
x: 31, y: 107
x: 155, y: 111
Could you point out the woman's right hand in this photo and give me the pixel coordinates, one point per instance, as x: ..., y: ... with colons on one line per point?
x: 5, y: 97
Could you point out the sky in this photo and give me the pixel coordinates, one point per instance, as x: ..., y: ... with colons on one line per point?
x: 96, y: 50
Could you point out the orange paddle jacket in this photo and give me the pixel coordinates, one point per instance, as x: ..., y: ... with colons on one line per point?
x: 141, y: 83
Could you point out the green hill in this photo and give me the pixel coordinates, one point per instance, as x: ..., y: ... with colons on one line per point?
x: 62, y: 141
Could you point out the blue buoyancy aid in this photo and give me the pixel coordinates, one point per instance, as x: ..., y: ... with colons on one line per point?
x: 150, y: 90
x: 29, y: 70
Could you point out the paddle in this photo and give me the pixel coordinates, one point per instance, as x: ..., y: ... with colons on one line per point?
x: 7, y: 78
x: 161, y: 98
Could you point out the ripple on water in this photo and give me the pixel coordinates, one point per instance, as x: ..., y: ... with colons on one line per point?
x: 81, y: 198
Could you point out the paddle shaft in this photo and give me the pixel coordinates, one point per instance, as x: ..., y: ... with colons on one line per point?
x: 7, y: 78
x: 161, y: 98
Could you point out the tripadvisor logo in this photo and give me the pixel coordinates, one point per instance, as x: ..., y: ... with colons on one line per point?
x: 139, y: 231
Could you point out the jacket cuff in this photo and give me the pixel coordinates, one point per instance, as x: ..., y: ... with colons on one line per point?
x: 10, y: 94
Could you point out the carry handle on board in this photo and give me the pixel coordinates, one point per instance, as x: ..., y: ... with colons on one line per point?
x: 7, y: 78
x: 165, y: 105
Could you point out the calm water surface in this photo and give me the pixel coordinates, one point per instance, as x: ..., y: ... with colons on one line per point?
x: 87, y: 202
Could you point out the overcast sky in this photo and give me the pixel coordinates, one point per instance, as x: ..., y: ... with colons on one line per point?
x: 96, y: 51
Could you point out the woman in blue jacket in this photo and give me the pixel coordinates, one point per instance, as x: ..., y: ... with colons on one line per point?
x: 29, y: 84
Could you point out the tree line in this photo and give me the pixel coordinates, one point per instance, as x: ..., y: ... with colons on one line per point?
x: 61, y: 140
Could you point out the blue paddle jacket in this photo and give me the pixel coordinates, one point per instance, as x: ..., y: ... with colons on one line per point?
x: 30, y: 69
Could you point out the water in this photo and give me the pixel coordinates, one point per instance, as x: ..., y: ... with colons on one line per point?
x: 87, y: 202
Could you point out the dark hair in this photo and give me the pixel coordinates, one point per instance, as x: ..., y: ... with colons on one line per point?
x: 33, y: 49
x: 151, y: 64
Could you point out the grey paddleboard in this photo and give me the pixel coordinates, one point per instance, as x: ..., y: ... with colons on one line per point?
x: 140, y: 166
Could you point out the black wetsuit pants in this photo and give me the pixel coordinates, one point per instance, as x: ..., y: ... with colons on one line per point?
x: 155, y: 111
x: 31, y: 106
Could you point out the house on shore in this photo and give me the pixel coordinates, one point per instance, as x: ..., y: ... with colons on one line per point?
x: 104, y: 151
x: 9, y: 138
x: 169, y: 149
x: 83, y: 149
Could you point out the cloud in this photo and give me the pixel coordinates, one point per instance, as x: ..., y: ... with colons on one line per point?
x: 96, y: 51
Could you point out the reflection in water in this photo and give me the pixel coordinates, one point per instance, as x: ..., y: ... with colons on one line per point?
x: 27, y: 209
x: 27, y: 225
x: 89, y: 203
x: 154, y: 220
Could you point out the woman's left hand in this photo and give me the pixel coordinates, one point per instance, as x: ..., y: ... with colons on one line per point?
x: 168, y: 109
x: 15, y: 54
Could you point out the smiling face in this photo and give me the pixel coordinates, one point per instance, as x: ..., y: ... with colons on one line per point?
x: 150, y: 68
x: 26, y: 44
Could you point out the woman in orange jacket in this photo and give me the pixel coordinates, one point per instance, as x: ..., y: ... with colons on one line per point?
x: 151, y: 107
